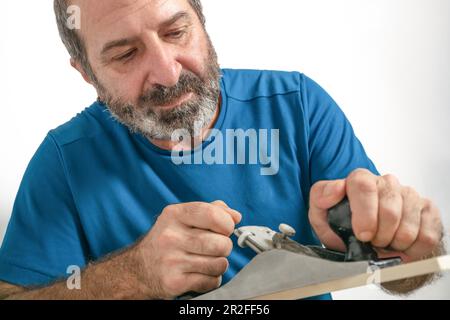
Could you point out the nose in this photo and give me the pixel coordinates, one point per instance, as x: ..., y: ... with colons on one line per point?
x: 162, y: 66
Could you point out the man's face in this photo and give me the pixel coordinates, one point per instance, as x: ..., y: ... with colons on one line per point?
x: 155, y: 65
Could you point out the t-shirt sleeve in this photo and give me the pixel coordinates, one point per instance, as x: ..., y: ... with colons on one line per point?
x: 334, y: 150
x: 44, y: 236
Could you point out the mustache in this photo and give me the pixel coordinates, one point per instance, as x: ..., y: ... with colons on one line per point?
x: 160, y: 95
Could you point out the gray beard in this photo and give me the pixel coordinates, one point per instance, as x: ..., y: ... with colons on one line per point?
x: 193, y: 115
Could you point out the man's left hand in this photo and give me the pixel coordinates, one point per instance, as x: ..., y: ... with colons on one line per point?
x: 394, y: 218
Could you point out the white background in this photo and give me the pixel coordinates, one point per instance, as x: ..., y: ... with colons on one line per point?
x: 386, y: 63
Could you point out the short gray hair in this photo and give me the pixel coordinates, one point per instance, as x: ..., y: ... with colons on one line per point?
x: 75, y: 45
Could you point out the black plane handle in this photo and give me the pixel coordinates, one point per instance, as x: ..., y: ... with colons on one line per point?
x: 340, y: 221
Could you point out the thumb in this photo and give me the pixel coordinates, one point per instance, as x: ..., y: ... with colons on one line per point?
x: 327, y: 194
x: 323, y: 196
x: 235, y: 215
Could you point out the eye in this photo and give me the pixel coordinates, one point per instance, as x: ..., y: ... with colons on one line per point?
x: 126, y: 56
x: 176, y: 34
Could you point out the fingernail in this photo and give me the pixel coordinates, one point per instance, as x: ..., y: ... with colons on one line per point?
x: 328, y: 189
x: 365, y: 236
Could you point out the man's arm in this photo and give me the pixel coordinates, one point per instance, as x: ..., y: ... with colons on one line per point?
x: 7, y: 290
x: 120, y: 276
x: 117, y: 277
x: 408, y: 286
x: 185, y: 251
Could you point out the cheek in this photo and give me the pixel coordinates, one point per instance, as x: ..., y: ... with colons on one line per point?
x: 126, y: 87
x: 195, y: 56
x: 130, y: 89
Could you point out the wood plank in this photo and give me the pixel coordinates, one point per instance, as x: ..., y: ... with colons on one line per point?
x: 409, y: 270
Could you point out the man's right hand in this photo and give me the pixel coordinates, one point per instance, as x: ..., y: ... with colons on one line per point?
x: 185, y: 251
x: 187, y: 248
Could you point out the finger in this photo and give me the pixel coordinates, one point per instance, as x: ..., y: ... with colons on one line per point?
x: 209, y: 266
x: 206, y: 216
x: 221, y: 204
x: 362, y: 192
x: 323, y: 196
x: 206, y: 243
x: 201, y: 283
x: 390, y: 203
x: 430, y: 232
x: 408, y: 229
x: 236, y: 215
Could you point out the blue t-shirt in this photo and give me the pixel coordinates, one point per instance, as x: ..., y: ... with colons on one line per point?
x: 94, y: 187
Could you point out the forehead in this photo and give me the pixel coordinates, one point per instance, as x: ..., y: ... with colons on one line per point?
x: 103, y: 19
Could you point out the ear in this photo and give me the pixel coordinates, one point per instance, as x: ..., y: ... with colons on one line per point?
x: 76, y: 64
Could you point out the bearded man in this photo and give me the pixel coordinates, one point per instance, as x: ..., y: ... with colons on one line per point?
x: 107, y: 191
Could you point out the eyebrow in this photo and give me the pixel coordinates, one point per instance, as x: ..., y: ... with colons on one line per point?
x: 178, y: 16
x: 126, y: 41
x: 117, y: 43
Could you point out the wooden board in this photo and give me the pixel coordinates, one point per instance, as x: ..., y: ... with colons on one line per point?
x: 435, y: 265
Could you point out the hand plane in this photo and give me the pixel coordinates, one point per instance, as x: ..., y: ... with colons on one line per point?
x: 286, y: 269
x: 262, y: 239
